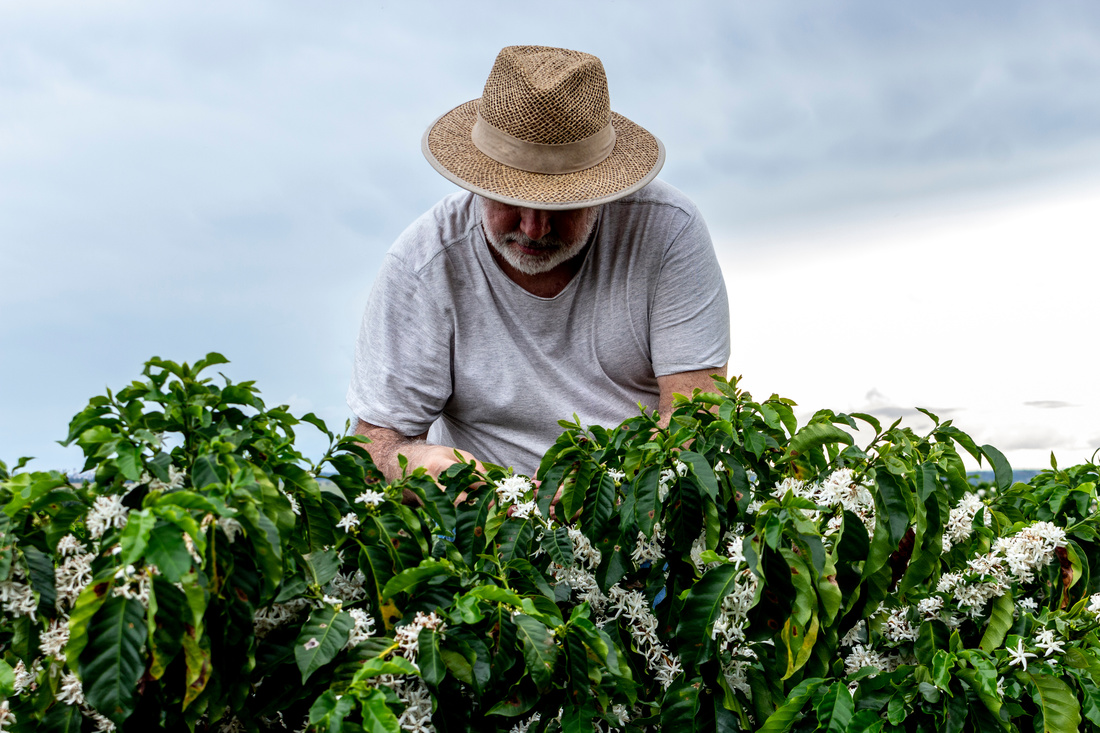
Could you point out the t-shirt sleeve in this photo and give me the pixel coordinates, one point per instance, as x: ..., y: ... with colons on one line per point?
x: 690, y: 317
x: 402, y: 375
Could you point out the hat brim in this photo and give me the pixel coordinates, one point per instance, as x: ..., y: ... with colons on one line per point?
x: 635, y: 161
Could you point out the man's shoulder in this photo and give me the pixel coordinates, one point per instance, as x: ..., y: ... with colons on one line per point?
x: 444, y: 227
x: 659, y: 194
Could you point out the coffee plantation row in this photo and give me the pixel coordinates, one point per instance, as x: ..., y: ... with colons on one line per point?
x: 732, y: 572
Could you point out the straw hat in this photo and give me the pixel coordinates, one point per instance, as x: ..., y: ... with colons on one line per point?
x: 543, y: 135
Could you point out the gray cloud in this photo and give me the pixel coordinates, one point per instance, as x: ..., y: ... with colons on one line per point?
x: 1050, y: 404
x: 178, y: 178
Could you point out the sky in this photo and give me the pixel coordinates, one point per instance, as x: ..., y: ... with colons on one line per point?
x: 902, y: 196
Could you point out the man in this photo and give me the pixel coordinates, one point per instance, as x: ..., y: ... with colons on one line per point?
x: 565, y: 279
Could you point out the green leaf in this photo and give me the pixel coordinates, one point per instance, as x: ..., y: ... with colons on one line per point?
x: 787, y: 713
x: 321, y: 566
x: 377, y: 716
x: 701, y: 608
x: 572, y: 497
x: 866, y: 721
x: 942, y: 664
x: 167, y: 551
x: 207, y: 471
x: 870, y: 420
x: 168, y: 612
x: 7, y: 679
x: 432, y: 667
x: 599, y: 505
x: 62, y: 719
x: 266, y: 546
x: 1061, y: 711
x: 129, y: 461
x: 409, y: 579
x: 891, y: 503
x: 135, y: 535
x: 496, y: 594
x: 112, y: 663
x: 681, y: 706
x: 26, y: 488
x: 459, y: 665
x: 834, y: 708
x: 814, y: 435
x: 328, y: 713
x: 88, y: 603
x: 703, y: 472
x: 1000, y: 621
x: 646, y: 499
x: 40, y: 566
x: 1002, y: 472
x: 321, y: 639
x: 558, y: 546
x: 539, y: 649
x: 394, y: 665
x: 7, y: 548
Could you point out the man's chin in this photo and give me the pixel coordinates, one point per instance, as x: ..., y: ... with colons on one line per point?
x: 531, y: 264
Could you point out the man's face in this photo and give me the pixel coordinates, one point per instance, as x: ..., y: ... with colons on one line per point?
x: 535, y: 241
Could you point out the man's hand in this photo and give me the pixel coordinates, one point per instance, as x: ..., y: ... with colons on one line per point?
x: 386, y: 445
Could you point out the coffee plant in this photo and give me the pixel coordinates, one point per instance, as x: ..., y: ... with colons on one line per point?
x: 731, y: 571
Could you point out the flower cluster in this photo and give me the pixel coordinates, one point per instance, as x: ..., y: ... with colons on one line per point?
x: 631, y: 606
x: 410, y: 690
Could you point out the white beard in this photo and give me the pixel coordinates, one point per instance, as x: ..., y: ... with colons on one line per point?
x: 553, y: 251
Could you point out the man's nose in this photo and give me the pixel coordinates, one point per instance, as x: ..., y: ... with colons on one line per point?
x: 535, y: 223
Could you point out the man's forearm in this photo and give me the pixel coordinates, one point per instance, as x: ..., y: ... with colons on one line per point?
x: 386, y: 445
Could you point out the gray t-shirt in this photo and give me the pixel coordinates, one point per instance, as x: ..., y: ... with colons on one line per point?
x: 449, y: 342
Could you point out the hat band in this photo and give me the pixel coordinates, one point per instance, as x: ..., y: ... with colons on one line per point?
x: 539, y: 158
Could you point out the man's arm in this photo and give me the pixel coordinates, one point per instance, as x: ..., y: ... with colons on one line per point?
x: 387, y: 444
x: 683, y: 383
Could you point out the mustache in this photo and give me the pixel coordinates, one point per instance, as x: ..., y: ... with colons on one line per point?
x: 548, y: 242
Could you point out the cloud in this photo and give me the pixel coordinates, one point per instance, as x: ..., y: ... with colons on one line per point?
x: 1050, y: 404
x: 879, y: 405
x: 186, y: 177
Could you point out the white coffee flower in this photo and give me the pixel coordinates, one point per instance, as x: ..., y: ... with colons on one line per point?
x: 857, y: 635
x: 1045, y: 640
x: 1030, y: 549
x: 525, y: 510
x: 930, y: 607
x: 106, y: 512
x: 71, y: 692
x: 861, y: 657
x: 522, y: 726
x: 632, y: 607
x: 371, y: 497
x: 69, y: 545
x: 17, y: 598
x: 511, y: 490
x: 349, y: 522
x: 363, y: 629
x: 649, y: 549
x: 1019, y: 656
x: 53, y: 639
x: 190, y: 545
x: 961, y: 519
x: 293, y: 502
x: 231, y: 527
x: 898, y: 628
